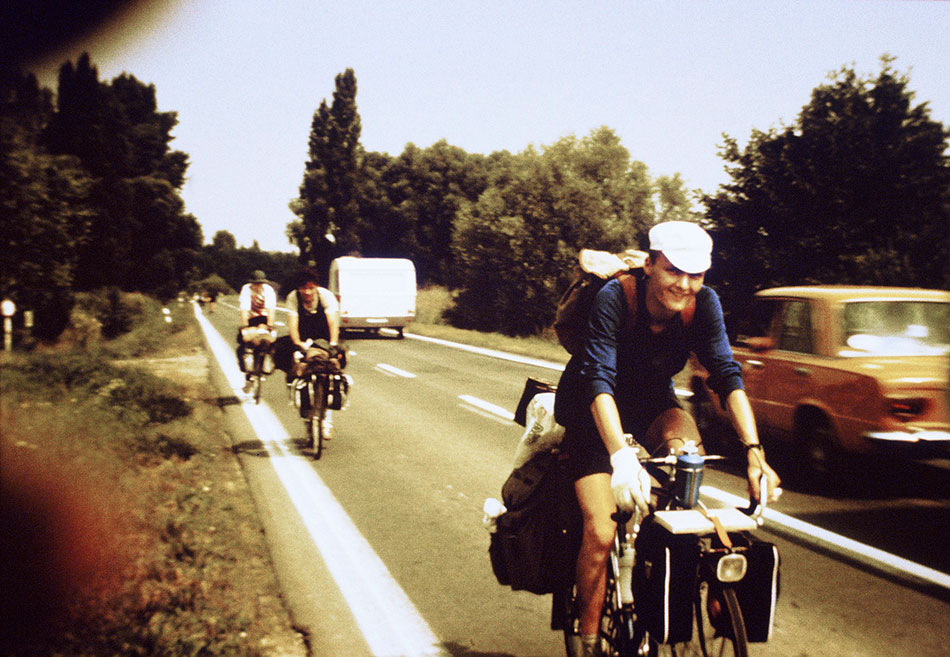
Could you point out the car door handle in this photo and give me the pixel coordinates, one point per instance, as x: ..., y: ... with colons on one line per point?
x: 802, y: 371
x: 755, y: 364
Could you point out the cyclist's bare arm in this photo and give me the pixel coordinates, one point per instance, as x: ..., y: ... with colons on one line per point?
x: 293, y: 330
x: 743, y: 421
x: 607, y: 419
x: 334, y: 325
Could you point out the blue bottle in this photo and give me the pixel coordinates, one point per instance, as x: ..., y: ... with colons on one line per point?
x: 689, y: 476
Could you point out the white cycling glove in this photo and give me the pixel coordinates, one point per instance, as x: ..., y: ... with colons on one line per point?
x: 630, y: 482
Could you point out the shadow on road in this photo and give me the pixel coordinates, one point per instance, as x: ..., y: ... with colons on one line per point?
x: 457, y: 650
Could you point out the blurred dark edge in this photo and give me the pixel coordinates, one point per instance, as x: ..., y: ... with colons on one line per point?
x: 30, y: 29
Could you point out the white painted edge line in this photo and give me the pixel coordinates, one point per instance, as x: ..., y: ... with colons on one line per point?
x: 839, y: 544
x: 489, y: 352
x: 395, y: 370
x: 524, y: 360
x: 387, y: 618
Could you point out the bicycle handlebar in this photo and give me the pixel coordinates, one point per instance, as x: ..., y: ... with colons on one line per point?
x: 756, y: 508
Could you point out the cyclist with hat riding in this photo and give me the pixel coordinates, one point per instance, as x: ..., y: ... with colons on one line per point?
x: 257, y: 304
x: 621, y: 383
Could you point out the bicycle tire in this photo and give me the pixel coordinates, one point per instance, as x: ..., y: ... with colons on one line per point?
x: 308, y: 423
x: 618, y: 634
x: 723, y: 637
x: 318, y: 412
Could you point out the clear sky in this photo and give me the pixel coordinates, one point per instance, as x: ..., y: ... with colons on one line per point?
x: 246, y: 76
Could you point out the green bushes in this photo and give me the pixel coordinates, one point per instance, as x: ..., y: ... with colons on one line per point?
x: 131, y: 480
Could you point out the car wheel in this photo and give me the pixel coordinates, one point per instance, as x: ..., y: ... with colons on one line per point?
x: 826, y: 462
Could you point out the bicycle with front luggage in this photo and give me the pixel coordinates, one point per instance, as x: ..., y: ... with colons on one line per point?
x: 318, y: 386
x: 686, y: 580
x: 258, y: 356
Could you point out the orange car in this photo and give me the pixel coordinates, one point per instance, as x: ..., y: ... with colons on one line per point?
x: 838, y: 369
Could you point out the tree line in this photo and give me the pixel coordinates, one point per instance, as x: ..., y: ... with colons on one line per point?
x: 89, y: 191
x: 855, y: 190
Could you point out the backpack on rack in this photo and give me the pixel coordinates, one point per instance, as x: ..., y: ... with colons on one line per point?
x: 535, y: 529
x: 596, y: 268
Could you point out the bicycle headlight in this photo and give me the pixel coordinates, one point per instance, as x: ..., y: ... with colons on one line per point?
x: 731, y: 568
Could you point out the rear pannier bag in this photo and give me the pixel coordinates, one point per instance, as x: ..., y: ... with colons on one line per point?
x: 534, y: 547
x: 664, y: 581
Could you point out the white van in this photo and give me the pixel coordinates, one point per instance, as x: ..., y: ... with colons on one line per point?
x: 374, y: 292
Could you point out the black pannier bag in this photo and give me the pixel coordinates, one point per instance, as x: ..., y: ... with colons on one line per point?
x: 664, y: 581
x: 758, y: 591
x: 532, y: 387
x: 535, y: 545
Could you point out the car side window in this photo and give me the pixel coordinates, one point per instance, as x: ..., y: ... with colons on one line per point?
x: 796, y: 333
x: 758, y: 321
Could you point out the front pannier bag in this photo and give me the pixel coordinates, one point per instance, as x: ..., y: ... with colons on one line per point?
x: 664, y: 578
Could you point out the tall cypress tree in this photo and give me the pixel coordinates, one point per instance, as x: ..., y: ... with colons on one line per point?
x: 328, y: 204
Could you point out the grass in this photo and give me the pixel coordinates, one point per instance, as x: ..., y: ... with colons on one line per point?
x: 123, y: 506
x: 430, y: 307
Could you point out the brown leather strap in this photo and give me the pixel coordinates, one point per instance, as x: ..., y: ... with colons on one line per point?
x: 687, y: 313
x: 719, y: 527
x: 629, y: 283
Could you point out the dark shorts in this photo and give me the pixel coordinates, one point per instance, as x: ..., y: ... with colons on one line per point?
x: 587, y: 453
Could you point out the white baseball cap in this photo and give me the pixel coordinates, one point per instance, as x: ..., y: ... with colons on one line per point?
x: 686, y: 245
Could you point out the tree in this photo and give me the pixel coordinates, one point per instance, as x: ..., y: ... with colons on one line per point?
x: 328, y: 207
x: 516, y: 247
x: 223, y: 241
x: 44, y: 210
x: 139, y: 236
x: 857, y: 190
x: 673, y: 200
x: 423, y: 191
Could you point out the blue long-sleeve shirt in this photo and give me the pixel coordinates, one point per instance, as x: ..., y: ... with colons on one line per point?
x: 636, y: 366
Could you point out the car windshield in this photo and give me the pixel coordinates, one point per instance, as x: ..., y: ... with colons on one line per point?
x: 896, y: 328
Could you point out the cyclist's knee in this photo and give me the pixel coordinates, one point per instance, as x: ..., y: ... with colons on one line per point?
x: 674, y: 428
x: 599, y: 534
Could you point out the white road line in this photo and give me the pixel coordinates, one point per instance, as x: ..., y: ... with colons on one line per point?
x: 839, y: 544
x: 488, y: 406
x: 489, y: 352
x: 389, y: 369
x: 389, y: 622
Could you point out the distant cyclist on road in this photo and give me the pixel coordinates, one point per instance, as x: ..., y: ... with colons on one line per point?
x: 257, y: 304
x: 621, y: 383
x: 313, y: 314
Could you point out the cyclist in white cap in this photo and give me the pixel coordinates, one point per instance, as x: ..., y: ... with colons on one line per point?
x: 621, y: 383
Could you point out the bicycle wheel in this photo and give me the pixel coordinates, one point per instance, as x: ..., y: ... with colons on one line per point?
x: 718, y: 628
x: 617, y: 634
x: 308, y: 423
x: 319, y: 411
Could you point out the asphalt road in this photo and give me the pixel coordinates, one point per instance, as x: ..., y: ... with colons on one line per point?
x: 380, y: 550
